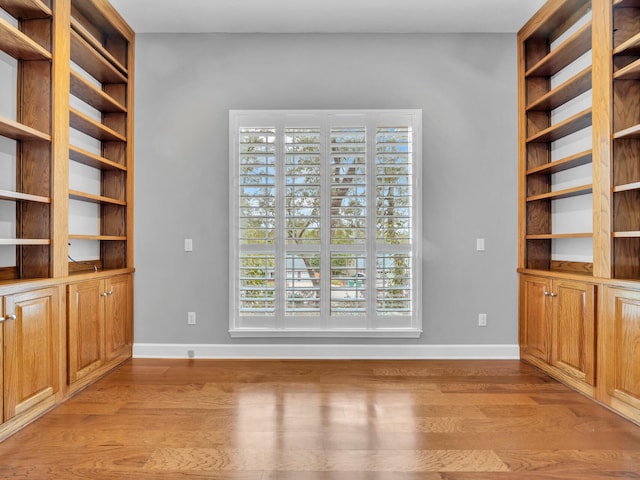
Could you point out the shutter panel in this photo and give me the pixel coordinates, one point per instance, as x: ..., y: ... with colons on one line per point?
x: 348, y: 186
x: 257, y: 186
x: 393, y: 185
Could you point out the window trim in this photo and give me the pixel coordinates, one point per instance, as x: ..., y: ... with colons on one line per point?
x: 281, y: 119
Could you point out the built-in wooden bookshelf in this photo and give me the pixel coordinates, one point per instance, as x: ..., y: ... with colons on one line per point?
x: 579, y: 320
x: 72, y: 64
x: 104, y: 55
x: 626, y: 140
x: 546, y: 50
x: 94, y: 67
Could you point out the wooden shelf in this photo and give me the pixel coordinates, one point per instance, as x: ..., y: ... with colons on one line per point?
x: 18, y: 131
x: 571, y: 125
x: 88, y: 197
x: 631, y: 132
x: 560, y: 95
x: 97, y: 46
x: 562, y: 13
x: 630, y: 47
x: 627, y: 187
x: 557, y: 236
x: 111, y: 238
x: 16, y: 44
x: 25, y: 241
x: 92, y: 62
x: 632, y: 234
x: 97, y: 130
x: 87, y: 158
x: 561, y: 165
x: 630, y: 72
x: 566, y: 193
x: 578, y: 44
x: 26, y: 9
x: 626, y: 3
x: 9, y: 195
x: 109, y: 24
x: 88, y: 93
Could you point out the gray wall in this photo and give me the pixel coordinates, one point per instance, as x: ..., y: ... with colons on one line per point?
x: 466, y: 86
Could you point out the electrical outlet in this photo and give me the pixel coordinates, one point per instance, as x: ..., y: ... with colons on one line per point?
x: 482, y: 319
x: 191, y: 318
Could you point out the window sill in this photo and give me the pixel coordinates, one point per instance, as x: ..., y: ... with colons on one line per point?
x: 380, y: 333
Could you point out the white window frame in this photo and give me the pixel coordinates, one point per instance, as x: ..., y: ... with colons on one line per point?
x: 324, y: 325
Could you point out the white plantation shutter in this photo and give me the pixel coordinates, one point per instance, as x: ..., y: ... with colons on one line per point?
x: 325, y: 223
x: 394, y: 220
x: 257, y: 185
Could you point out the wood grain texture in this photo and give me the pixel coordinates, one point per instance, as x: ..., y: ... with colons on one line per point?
x: 32, y: 346
x: 622, y: 334
x: 85, y: 335
x: 573, y: 337
x: 257, y: 420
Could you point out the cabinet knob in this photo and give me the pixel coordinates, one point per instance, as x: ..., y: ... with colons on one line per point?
x: 8, y: 317
x: 546, y: 294
x: 104, y: 294
x: 553, y: 294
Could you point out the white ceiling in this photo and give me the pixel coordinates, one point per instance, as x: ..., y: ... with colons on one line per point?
x: 326, y: 16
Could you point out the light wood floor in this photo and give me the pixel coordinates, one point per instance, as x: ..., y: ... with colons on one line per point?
x: 313, y: 420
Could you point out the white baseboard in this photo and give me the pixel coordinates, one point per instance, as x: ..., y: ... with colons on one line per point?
x: 368, y: 352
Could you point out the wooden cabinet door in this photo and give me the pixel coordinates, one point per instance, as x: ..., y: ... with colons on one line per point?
x: 573, y: 336
x: 535, y: 313
x: 118, y: 325
x: 622, y: 344
x: 32, y: 349
x: 85, y: 311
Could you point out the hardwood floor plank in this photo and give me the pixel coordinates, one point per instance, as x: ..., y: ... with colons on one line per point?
x: 325, y: 420
x: 186, y: 459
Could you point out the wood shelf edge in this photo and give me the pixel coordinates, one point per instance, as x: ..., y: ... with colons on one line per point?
x: 25, y: 241
x: 18, y: 131
x: 626, y: 187
x: 113, y: 238
x: 92, y: 62
x: 566, y: 193
x: 576, y: 45
x: 9, y: 195
x: 631, y: 132
x: 562, y: 129
x: 87, y: 158
x: 27, y: 9
x: 556, y: 236
x: 91, y: 95
x: 20, y: 46
x: 566, y: 163
x: 576, y: 85
x: 97, y: 46
x: 630, y: 72
x: 89, y: 126
x: 88, y: 197
x: 633, y: 42
x: 629, y: 234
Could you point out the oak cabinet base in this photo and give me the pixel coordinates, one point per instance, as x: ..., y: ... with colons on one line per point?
x: 620, y: 355
x: 99, y: 328
x: 557, y: 328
